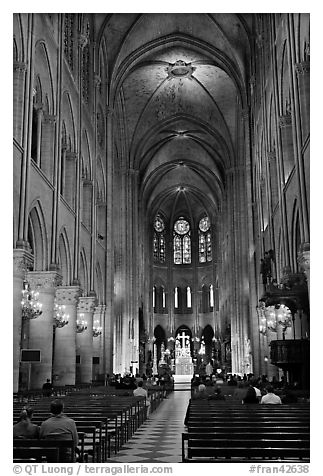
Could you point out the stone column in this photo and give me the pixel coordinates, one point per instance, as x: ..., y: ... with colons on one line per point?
x: 84, y: 340
x: 41, y: 328
x: 303, y: 77
x: 285, y: 124
x: 47, y: 145
x: 98, y: 349
x: 65, y: 338
x: 19, y: 74
x: 22, y: 260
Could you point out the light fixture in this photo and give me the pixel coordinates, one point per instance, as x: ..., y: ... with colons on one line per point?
x: 170, y: 339
x: 81, y: 324
x: 97, y: 330
x: 31, y: 307
x: 270, y: 317
x: 60, y: 317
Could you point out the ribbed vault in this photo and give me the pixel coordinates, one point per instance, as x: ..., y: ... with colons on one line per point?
x: 178, y: 85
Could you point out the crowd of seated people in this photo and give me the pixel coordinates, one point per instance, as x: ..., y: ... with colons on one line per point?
x: 247, y: 388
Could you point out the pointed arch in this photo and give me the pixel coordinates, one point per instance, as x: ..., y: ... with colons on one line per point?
x: 64, y: 257
x: 83, y: 273
x: 295, y: 236
x: 99, y: 284
x: 18, y: 39
x: 37, y: 237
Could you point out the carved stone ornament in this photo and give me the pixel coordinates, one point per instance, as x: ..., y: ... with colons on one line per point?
x: 22, y: 261
x: 83, y: 40
x: 272, y: 155
x: 303, y: 257
x: 97, y: 81
x: 302, y: 68
x: 109, y: 111
x: 285, y: 121
x: 100, y: 309
x: 49, y: 118
x: 71, y: 155
x: 86, y: 304
x: 180, y: 69
x: 19, y: 66
x: 43, y: 279
x: 68, y: 295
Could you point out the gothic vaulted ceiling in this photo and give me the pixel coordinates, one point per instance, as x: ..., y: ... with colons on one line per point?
x: 179, y: 80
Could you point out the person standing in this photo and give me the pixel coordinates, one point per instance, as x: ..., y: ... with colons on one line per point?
x: 47, y: 388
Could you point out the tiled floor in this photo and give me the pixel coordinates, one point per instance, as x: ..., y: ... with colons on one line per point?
x: 159, y: 438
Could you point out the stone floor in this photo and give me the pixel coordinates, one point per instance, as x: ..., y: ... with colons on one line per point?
x: 159, y: 439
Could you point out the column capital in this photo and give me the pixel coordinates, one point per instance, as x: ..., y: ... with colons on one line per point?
x: 302, y: 68
x: 22, y: 261
x: 97, y: 80
x: 83, y: 40
x: 109, y: 111
x: 303, y: 257
x: 68, y: 294
x: 245, y: 114
x: 86, y: 304
x: 71, y: 155
x: 285, y: 120
x: 47, y: 280
x: 20, y: 66
x: 49, y: 118
x: 101, y: 308
x: 272, y: 155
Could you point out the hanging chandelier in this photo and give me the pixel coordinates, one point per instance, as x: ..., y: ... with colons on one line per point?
x: 81, y: 324
x: 97, y: 330
x: 31, y: 307
x: 60, y: 317
x: 270, y: 317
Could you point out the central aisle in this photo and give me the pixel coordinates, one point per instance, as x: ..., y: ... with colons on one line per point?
x: 159, y: 439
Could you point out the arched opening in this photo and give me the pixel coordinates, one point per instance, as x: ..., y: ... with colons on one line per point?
x: 160, y: 338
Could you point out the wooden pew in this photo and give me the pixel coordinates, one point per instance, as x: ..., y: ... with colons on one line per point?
x: 239, y: 433
x: 42, y: 450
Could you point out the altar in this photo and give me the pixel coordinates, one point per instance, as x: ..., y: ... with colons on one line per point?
x: 183, y: 359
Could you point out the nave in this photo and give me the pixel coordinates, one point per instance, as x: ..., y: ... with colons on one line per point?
x: 159, y: 439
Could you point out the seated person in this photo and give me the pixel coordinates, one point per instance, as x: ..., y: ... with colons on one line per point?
x: 240, y: 392
x: 288, y: 396
x: 251, y: 396
x: 270, y: 397
x: 142, y: 392
x: 60, y: 427
x: 24, y: 428
x: 254, y: 383
x: 201, y: 393
x: 217, y: 395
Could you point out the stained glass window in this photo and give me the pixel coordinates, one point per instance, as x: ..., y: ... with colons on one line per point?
x: 189, y: 297
x: 205, y: 241
x: 159, y: 244
x: 204, y: 224
x: 182, y: 242
x: 164, y: 297
x: 211, y: 296
x: 176, y: 298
